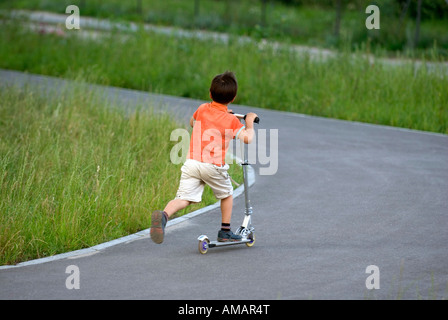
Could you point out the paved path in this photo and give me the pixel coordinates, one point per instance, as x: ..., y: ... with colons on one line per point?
x: 346, y: 195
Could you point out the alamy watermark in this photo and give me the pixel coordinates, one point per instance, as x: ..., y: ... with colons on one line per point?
x: 373, y: 280
x: 72, y: 21
x: 263, y: 149
x: 259, y: 149
x: 373, y: 21
x: 73, y: 280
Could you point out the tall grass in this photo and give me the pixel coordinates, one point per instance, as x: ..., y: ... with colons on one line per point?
x: 75, y: 172
x: 346, y: 86
x: 310, y: 23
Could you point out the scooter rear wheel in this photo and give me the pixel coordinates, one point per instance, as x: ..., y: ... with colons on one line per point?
x: 203, y: 246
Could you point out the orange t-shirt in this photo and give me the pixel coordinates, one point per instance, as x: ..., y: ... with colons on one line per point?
x: 212, y: 131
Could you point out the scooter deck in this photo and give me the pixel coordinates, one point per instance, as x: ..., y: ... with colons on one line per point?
x: 205, y: 243
x: 227, y: 243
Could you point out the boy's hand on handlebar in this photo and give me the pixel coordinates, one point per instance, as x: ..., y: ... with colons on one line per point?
x: 250, y: 117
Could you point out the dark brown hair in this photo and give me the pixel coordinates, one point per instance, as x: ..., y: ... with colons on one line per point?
x: 224, y: 87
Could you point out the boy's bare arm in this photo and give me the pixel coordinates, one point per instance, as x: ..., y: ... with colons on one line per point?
x: 192, y: 122
x: 247, y: 134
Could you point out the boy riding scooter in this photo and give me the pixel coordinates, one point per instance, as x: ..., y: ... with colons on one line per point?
x: 213, y: 128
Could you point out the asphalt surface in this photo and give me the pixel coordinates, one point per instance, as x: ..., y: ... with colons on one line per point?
x: 345, y: 196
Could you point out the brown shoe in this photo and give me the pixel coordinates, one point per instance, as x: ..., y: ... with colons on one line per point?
x: 158, y: 223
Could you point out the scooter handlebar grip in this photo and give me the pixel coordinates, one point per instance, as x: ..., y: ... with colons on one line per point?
x: 256, y: 120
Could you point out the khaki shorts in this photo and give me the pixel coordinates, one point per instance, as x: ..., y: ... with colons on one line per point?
x: 196, y: 174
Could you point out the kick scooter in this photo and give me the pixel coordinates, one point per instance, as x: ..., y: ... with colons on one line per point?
x: 246, y: 230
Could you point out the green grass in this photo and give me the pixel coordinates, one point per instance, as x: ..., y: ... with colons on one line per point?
x: 305, y: 24
x: 75, y: 171
x: 344, y: 87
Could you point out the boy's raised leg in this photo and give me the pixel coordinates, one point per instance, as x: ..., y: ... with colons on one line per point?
x: 176, y: 205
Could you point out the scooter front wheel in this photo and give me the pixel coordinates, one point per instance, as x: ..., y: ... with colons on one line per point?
x: 252, y: 240
x: 203, y: 246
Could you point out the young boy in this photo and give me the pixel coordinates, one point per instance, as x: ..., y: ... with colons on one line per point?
x: 213, y: 128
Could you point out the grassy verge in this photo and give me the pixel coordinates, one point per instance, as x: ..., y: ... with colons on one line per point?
x: 75, y: 172
x: 309, y: 24
x: 345, y: 87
